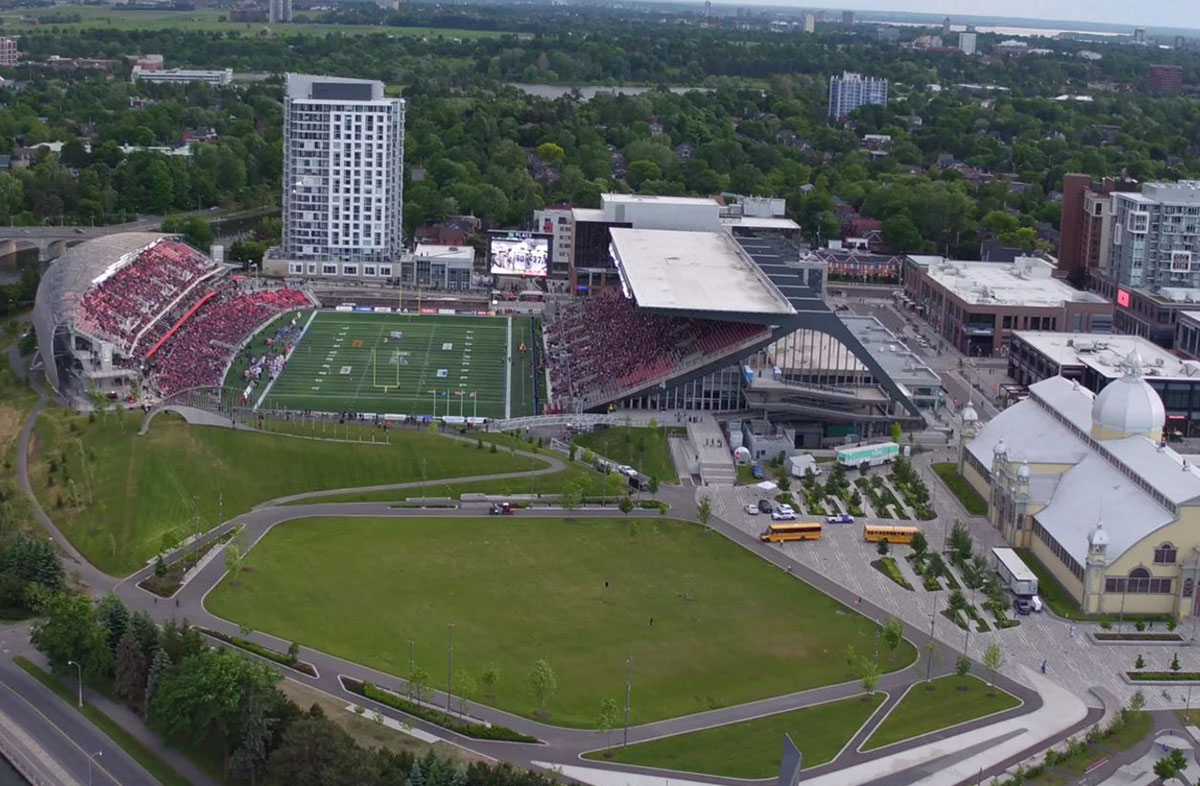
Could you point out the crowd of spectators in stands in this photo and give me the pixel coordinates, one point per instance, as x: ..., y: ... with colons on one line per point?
x: 197, y: 353
x: 602, y: 346
x: 124, y: 304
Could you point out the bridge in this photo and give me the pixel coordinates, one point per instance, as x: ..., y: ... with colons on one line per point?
x: 52, y: 242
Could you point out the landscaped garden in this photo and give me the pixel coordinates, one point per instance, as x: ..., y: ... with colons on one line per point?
x: 705, y: 623
x: 959, y: 487
x: 752, y: 749
x: 644, y: 449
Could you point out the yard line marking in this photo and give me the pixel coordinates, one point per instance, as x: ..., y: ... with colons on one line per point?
x: 508, y: 372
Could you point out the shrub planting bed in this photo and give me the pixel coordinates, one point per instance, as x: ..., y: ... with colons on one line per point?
x: 282, y: 658
x: 888, y: 567
x: 464, y: 727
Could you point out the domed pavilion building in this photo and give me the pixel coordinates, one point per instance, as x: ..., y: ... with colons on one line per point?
x: 1085, y: 482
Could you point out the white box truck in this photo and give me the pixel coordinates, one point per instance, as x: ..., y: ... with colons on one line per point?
x: 1015, y: 574
x: 875, y: 455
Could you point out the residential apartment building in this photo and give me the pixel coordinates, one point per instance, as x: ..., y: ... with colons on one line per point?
x: 343, y: 160
x: 1155, y: 235
x: 850, y: 91
x: 1164, y: 79
x: 9, y: 55
x: 281, y: 11
x: 1086, y: 226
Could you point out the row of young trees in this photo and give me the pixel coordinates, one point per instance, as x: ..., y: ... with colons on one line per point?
x: 202, y: 698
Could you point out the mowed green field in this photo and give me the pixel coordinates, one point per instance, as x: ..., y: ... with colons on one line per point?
x: 753, y: 749
x: 706, y: 623
x: 121, y: 498
x: 389, y: 363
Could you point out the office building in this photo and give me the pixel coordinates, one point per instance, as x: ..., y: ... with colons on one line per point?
x: 810, y: 22
x: 281, y: 11
x: 182, y: 76
x: 976, y: 306
x: 1086, y: 226
x: 343, y: 160
x: 9, y: 55
x: 437, y: 267
x: 1164, y: 79
x: 148, y: 62
x: 1139, y: 35
x: 847, y: 17
x: 967, y: 42
x: 850, y: 91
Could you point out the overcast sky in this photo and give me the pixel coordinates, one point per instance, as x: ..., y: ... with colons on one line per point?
x: 1170, y: 13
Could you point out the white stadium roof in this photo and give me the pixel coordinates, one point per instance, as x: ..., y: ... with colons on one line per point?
x: 694, y: 271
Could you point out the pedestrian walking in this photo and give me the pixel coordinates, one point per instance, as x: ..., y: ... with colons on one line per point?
x: 1043, y: 667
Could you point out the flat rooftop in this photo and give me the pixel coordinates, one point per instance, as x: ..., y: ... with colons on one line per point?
x: 311, y: 87
x: 700, y: 271
x: 648, y: 199
x: 1106, y: 353
x: 433, y: 251
x: 900, y: 362
x: 1026, y: 282
x: 755, y: 222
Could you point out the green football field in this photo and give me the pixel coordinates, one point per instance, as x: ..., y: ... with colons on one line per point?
x: 408, y: 365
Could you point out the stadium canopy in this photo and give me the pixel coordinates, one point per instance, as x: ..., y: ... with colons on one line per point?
x: 706, y: 274
x: 69, y: 277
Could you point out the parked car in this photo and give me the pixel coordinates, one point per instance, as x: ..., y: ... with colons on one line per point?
x: 752, y: 510
x: 785, y: 508
x: 764, y: 506
x: 757, y: 471
x: 783, y: 515
x: 1022, y: 605
x: 839, y: 518
x: 627, y: 470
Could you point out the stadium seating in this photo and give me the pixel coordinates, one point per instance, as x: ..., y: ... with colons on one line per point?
x: 197, y: 352
x: 124, y: 305
x: 602, y: 347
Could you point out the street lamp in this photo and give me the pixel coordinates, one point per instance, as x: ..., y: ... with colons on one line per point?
x: 80, y: 669
x: 91, y: 759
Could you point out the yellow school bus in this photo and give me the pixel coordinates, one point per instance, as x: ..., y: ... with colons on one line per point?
x: 876, y: 533
x: 783, y: 531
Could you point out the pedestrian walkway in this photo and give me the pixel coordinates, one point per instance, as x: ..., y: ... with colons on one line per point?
x: 713, y: 456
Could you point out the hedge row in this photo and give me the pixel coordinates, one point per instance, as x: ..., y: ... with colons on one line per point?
x: 282, y: 658
x: 466, y: 728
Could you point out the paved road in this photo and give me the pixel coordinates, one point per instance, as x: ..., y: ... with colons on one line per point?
x: 63, y: 736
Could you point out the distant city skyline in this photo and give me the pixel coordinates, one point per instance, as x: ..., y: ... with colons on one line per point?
x: 1159, y: 13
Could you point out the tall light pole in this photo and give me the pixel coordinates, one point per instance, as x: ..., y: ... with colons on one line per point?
x: 449, y: 666
x: 929, y: 653
x: 80, y: 669
x: 91, y: 758
x: 628, y: 695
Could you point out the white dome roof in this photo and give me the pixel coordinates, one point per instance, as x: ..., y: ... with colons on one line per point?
x: 1001, y: 449
x: 969, y: 415
x: 1023, y: 470
x: 1129, y: 405
x: 1098, y: 537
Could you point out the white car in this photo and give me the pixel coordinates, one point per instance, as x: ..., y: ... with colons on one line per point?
x: 839, y: 518
x: 752, y: 510
x: 786, y: 509
x: 627, y: 470
x: 783, y: 515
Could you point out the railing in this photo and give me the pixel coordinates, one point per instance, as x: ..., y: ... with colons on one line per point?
x: 23, y: 764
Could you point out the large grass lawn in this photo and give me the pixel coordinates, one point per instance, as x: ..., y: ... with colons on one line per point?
x: 752, y: 749
x: 707, y: 624
x: 123, y: 497
x: 645, y: 449
x: 944, y: 702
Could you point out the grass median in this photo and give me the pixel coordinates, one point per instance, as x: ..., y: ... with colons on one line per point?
x: 940, y: 704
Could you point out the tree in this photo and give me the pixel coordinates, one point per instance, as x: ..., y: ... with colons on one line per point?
x: 572, y: 497
x: 543, y: 682
x: 868, y: 672
x: 418, y: 679
x: 959, y: 542
x: 114, y: 617
x: 920, y: 545
x: 1140, y: 662
x: 962, y: 667
x: 1171, y: 765
x: 233, y: 559
x: 551, y: 153
x: 160, y: 668
x: 931, y: 654
x: 893, y: 634
x: 864, y: 467
x: 1175, y: 662
x: 935, y: 567
x: 253, y: 738
x: 608, y: 718
x: 489, y: 676
x: 195, y: 231
x: 704, y: 509
x: 652, y: 486
x: 313, y: 751
x: 993, y: 659
x: 70, y: 630
x: 465, y: 687
x: 1137, y: 701
x: 901, y: 234
x: 882, y: 548
x: 33, y: 561
x: 625, y: 505
x: 131, y: 670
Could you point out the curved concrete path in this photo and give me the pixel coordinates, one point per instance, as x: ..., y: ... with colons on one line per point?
x: 560, y: 746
